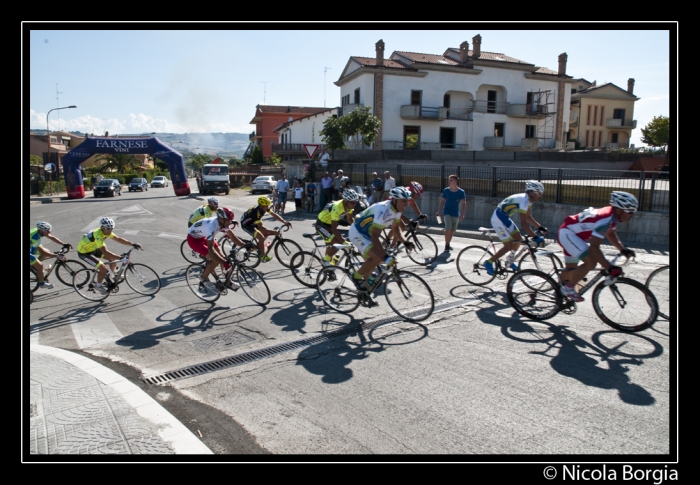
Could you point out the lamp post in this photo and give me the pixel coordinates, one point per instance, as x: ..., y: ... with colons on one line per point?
x: 48, y: 144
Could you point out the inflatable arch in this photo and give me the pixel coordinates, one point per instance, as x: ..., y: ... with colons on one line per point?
x: 151, y: 146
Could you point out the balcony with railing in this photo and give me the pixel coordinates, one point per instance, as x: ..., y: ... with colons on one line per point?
x: 529, y: 110
x: 400, y: 145
x: 493, y: 142
x: 620, y: 123
x: 484, y: 106
x: 418, y: 112
x: 459, y: 113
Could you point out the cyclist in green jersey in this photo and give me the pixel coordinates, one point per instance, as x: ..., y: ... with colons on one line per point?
x: 37, y: 252
x: 207, y: 210
x: 327, y: 222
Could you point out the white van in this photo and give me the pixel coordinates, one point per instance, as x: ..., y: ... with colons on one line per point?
x: 213, y: 177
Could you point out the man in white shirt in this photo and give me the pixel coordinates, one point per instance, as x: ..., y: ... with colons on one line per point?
x: 389, y: 183
x: 282, y: 188
x: 323, y: 158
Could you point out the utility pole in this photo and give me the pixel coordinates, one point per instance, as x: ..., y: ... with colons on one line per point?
x: 265, y: 89
x: 324, y: 85
x: 59, y: 114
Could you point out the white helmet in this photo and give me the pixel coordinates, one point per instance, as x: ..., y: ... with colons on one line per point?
x: 107, y: 222
x: 623, y: 200
x: 43, y: 226
x: 399, y: 193
x: 213, y: 201
x: 350, y: 195
x: 535, y: 186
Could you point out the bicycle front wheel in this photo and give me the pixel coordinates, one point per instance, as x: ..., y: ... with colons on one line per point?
x: 470, y: 264
x: 409, y: 296
x: 533, y: 294
x: 66, y: 270
x: 426, y: 250
x: 85, y: 285
x: 625, y: 305
x: 253, y: 285
x: 305, y: 268
x: 657, y: 282
x: 547, y: 263
x: 190, y: 255
x: 284, y: 250
x: 142, y: 279
x: 247, y: 255
x: 337, y: 290
x: 33, y: 281
x: 206, y: 292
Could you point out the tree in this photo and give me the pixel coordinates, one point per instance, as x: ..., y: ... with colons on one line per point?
x: 275, y: 159
x: 656, y: 132
x: 119, y: 161
x: 256, y: 157
x: 199, y: 160
x: 160, y: 164
x: 34, y: 160
x: 360, y: 125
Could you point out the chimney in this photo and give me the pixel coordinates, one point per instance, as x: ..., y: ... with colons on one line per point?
x: 379, y: 47
x: 463, y: 52
x: 593, y: 83
x: 562, y: 64
x: 289, y: 109
x: 630, y: 85
x: 476, y: 40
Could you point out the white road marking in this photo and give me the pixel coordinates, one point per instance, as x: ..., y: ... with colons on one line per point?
x: 174, y: 236
x: 98, y: 329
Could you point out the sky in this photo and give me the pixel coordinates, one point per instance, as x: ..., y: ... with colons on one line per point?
x: 201, y: 78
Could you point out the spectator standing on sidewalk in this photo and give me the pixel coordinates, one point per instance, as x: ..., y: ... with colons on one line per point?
x: 326, y: 190
x: 298, y: 196
x: 453, y: 206
x: 282, y: 188
x: 311, y: 194
x: 323, y: 158
x: 338, y: 186
x: 389, y: 183
x: 377, y: 188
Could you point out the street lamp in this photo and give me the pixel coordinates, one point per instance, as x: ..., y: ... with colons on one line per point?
x: 48, y: 144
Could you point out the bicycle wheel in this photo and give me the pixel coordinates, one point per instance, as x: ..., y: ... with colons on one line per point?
x: 409, y: 296
x: 248, y: 255
x: 657, y: 282
x: 548, y: 263
x: 533, y: 294
x: 85, y: 286
x: 284, y: 250
x: 253, y: 285
x: 190, y: 255
x: 33, y: 281
x: 426, y: 250
x: 193, y: 276
x: 625, y: 305
x: 470, y: 264
x: 337, y: 290
x: 142, y: 279
x: 67, y: 269
x: 305, y: 268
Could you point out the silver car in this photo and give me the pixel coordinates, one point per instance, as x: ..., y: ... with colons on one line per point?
x: 159, y: 181
x: 264, y: 183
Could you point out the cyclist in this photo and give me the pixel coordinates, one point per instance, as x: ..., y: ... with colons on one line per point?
x: 251, y: 222
x: 416, y: 190
x: 207, y: 210
x: 37, y: 252
x: 92, y: 247
x: 200, y: 237
x: 592, y: 226
x: 365, y: 231
x: 507, y: 231
x: 327, y: 222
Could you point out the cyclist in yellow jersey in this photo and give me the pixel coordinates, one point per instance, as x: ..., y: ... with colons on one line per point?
x: 327, y: 223
x: 207, y: 210
x: 92, y: 246
x: 251, y: 222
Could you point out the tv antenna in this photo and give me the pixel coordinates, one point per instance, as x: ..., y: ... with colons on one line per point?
x: 57, y: 105
x: 324, y: 85
x: 265, y: 89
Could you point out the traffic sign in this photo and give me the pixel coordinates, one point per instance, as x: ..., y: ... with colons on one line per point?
x: 310, y: 149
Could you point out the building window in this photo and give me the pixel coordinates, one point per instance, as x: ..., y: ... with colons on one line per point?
x: 595, y: 115
x: 619, y: 114
x: 499, y: 129
x: 415, y: 98
x: 588, y: 118
x: 602, y: 109
x: 446, y: 103
x: 529, y: 131
x: 491, y: 103
x: 614, y: 137
x: 600, y: 138
x: 447, y: 137
x: 573, y: 90
x: 411, y: 137
x: 587, y: 136
x: 357, y: 96
x: 346, y: 100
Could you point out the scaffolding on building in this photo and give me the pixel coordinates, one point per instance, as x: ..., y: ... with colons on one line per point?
x: 541, y: 113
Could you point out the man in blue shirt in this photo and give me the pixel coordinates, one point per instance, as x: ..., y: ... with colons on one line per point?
x: 454, y: 203
x: 311, y: 194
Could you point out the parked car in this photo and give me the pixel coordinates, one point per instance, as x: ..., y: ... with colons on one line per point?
x: 138, y: 184
x: 264, y: 183
x: 107, y: 188
x: 159, y: 181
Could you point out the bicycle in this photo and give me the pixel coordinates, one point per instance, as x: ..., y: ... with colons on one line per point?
x: 306, y: 265
x: 425, y: 248
x: 190, y: 255
x: 470, y: 260
x: 248, y: 254
x: 619, y: 302
x: 657, y: 282
x: 406, y: 293
x: 249, y: 280
x: 65, y: 269
x: 140, y: 278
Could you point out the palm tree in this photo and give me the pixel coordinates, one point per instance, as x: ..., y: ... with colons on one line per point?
x: 118, y: 161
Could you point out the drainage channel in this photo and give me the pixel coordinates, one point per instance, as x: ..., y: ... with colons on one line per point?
x: 246, y: 357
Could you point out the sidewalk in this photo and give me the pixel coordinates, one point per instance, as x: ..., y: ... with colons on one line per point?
x: 78, y: 406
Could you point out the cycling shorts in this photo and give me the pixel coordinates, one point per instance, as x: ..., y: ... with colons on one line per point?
x: 360, y: 241
x: 91, y: 258
x: 249, y: 228
x: 199, y: 245
x: 575, y: 248
x: 504, y: 226
x: 325, y: 231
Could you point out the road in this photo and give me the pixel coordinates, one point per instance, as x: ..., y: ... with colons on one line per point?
x: 473, y: 380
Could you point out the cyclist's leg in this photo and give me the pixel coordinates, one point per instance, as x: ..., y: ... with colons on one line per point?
x: 507, y: 232
x: 92, y: 261
x: 35, y: 262
x: 324, y: 230
x: 110, y: 257
x: 575, y: 250
x: 371, y: 255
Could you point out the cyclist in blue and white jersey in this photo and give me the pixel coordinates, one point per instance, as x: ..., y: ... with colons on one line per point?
x: 37, y: 252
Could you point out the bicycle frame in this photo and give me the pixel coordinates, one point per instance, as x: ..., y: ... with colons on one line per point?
x: 590, y: 283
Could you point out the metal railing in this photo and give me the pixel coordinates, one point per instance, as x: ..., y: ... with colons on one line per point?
x: 562, y: 186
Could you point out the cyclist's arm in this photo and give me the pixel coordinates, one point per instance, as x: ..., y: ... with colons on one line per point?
x: 57, y: 240
x: 526, y: 220
x: 595, y: 251
x: 611, y: 236
x: 376, y: 243
x: 121, y: 240
x: 215, y: 252
x: 279, y: 218
x: 229, y: 233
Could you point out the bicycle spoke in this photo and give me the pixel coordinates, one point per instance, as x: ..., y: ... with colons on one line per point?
x: 253, y: 285
x: 337, y: 290
x: 142, y: 279
x: 207, y: 292
x: 409, y: 296
x: 284, y: 250
x: 306, y: 267
x: 425, y: 251
x: 657, y: 282
x: 625, y: 305
x: 470, y: 264
x: 533, y: 294
x: 85, y: 286
x: 67, y: 269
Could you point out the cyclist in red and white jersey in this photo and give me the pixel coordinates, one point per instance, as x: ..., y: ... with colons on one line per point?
x: 592, y: 226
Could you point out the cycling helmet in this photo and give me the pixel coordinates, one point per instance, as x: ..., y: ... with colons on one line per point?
x: 213, y: 201
x: 399, y: 193
x: 415, y: 188
x: 43, y: 226
x: 264, y: 201
x: 535, y: 186
x: 350, y: 195
x: 107, y: 222
x: 623, y: 200
x: 225, y: 213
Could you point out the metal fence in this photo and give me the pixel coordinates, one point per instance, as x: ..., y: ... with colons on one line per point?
x: 562, y: 185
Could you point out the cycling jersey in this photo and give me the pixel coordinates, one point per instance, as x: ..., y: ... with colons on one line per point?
x: 252, y: 216
x: 379, y: 215
x: 34, y: 240
x: 513, y: 204
x: 591, y: 222
x: 205, y: 228
x: 201, y: 213
x: 501, y: 220
x: 333, y: 211
x: 93, y: 240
